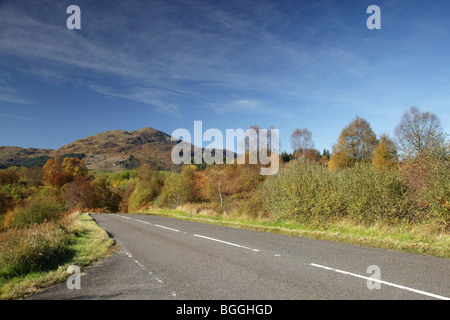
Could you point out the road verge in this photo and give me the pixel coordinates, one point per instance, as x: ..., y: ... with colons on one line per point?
x: 88, y: 243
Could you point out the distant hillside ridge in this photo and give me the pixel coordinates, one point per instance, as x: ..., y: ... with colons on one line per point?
x: 113, y: 150
x: 10, y: 156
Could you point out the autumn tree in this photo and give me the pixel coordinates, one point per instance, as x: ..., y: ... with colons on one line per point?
x: 200, y: 180
x: 258, y: 144
x: 419, y: 134
x: 34, y: 176
x: 250, y: 142
x: 51, y: 168
x: 215, y: 185
x: 60, y: 171
x: 79, y: 193
x: 180, y: 188
x: 175, y: 192
x: 151, y: 179
x: 60, y: 179
x: 245, y: 179
x: 125, y: 197
x: 385, y: 154
x: 6, y: 202
x: 339, y: 159
x: 105, y: 198
x: 188, y: 176
x: 301, y: 141
x: 148, y: 187
x: 9, y: 177
x: 356, y: 143
x: 303, y: 145
x: 74, y: 167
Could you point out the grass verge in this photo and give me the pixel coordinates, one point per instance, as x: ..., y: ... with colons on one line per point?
x: 86, y: 243
x: 412, y: 238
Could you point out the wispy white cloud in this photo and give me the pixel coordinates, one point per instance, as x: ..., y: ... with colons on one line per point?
x: 157, y: 53
x: 144, y: 95
x: 11, y: 95
x: 14, y: 116
x: 249, y: 106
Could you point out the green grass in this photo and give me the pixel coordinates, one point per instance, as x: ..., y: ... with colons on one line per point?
x: 88, y: 243
x: 412, y: 238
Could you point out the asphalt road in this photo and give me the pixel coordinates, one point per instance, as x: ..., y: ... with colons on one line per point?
x: 163, y: 258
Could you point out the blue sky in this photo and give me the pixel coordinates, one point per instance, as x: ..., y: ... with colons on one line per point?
x: 232, y: 64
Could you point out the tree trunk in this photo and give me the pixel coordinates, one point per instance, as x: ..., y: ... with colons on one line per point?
x: 220, y: 195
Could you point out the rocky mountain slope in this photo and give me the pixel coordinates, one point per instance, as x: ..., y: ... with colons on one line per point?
x: 108, y: 151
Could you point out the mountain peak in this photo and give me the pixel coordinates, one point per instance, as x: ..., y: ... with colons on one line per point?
x: 107, y: 150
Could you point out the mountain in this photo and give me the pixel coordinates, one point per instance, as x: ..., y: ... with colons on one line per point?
x: 109, y: 151
x: 10, y: 156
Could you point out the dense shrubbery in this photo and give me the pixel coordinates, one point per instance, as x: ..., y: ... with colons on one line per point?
x: 307, y: 191
x: 35, y: 228
x: 6, y: 203
x: 38, y: 212
x: 430, y: 187
x: 438, y: 192
x: 147, y: 187
x: 34, y: 249
x: 179, y: 188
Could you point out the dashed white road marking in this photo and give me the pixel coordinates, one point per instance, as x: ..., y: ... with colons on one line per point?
x: 195, y: 235
x: 149, y: 223
x: 142, y: 221
x: 381, y: 281
x: 226, y: 242
x: 160, y: 226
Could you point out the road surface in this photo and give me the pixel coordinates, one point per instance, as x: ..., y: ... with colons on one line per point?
x: 163, y: 258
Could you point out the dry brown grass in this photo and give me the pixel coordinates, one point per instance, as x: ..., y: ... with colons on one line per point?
x: 35, y: 248
x: 38, y: 257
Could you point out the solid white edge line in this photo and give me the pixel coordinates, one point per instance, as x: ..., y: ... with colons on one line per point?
x: 383, y: 282
x: 226, y: 242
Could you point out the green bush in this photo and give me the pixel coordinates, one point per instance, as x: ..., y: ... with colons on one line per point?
x: 302, y: 190
x: 121, y: 179
x: 148, y: 187
x: 367, y: 194
x: 306, y: 191
x: 245, y: 204
x: 436, y: 191
x: 140, y: 196
x: 179, y: 188
x: 33, y: 249
x: 38, y: 212
x: 175, y: 191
